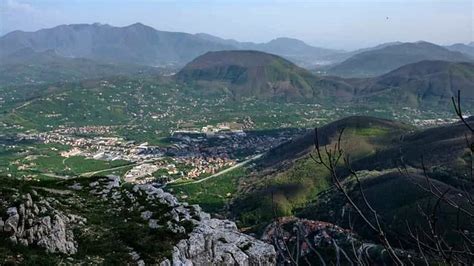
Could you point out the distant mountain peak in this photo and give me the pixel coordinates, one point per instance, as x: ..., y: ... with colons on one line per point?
x: 137, y: 25
x: 286, y: 39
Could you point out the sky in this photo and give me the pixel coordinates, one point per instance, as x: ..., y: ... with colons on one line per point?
x: 348, y: 24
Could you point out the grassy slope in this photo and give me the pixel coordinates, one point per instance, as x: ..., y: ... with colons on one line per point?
x: 282, y: 184
x: 213, y: 194
x: 296, y: 185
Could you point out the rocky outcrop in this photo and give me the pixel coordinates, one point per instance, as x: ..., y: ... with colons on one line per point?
x: 212, y: 241
x: 189, y: 234
x: 38, y: 223
x: 219, y: 242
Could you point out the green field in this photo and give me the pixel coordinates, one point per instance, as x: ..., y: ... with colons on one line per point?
x: 44, y: 162
x: 213, y: 194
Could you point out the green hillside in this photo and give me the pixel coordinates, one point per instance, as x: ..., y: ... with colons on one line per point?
x: 249, y: 74
x: 286, y: 181
x: 423, y: 83
x: 27, y: 67
x: 252, y: 74
x: 258, y: 75
x: 380, y: 61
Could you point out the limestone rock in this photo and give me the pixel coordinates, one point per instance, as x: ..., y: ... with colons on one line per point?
x: 212, y: 241
x: 218, y: 242
x: 39, y: 223
x: 58, y: 238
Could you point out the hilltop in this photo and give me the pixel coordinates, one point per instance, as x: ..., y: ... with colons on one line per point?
x: 422, y: 84
x: 467, y: 49
x: 380, y: 61
x: 250, y: 74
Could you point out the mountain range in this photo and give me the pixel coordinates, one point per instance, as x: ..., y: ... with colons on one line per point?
x: 144, y: 45
x: 266, y: 76
x: 290, y: 48
x: 380, y: 61
x: 137, y: 43
x: 141, y: 44
x: 410, y: 74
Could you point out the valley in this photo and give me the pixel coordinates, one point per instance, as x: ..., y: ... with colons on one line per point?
x: 227, y: 155
x: 171, y: 148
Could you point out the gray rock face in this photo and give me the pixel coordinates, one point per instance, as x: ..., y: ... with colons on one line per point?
x: 43, y: 222
x: 57, y: 237
x: 218, y: 242
x: 212, y: 241
x: 40, y: 224
x: 158, y: 193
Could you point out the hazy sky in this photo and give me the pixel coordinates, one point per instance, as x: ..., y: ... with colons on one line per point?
x: 345, y: 24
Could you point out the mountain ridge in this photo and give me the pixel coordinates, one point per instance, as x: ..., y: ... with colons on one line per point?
x: 254, y: 74
x: 141, y: 44
x: 136, y: 43
x: 380, y: 61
